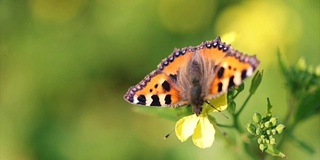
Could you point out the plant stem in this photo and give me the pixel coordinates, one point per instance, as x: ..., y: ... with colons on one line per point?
x: 236, y: 95
x: 290, y: 127
x: 237, y: 125
x: 243, y: 105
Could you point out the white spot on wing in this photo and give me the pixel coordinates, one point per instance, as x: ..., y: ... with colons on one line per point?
x: 249, y: 71
x: 161, y: 80
x: 225, y: 65
x: 225, y: 83
x: 161, y: 99
x: 135, y: 100
x: 148, y: 99
x: 237, y: 78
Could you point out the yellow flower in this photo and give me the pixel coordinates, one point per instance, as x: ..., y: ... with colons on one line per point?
x: 200, y: 126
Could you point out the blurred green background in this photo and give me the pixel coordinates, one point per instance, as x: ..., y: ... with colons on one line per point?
x: 65, y: 65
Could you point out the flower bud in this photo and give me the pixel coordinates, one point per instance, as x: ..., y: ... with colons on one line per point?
x: 273, y: 121
x: 232, y: 106
x: 310, y: 69
x: 268, y: 132
x: 280, y: 128
x: 251, y: 128
x: 273, y: 131
x: 301, y: 64
x: 317, y: 71
x: 240, y: 88
x: 230, y: 95
x: 256, y: 80
x: 272, y: 141
x: 258, y: 131
x: 263, y: 147
x: 267, y: 124
x: 267, y: 141
x: 257, y: 117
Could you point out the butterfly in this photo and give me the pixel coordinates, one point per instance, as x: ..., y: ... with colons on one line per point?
x: 193, y: 76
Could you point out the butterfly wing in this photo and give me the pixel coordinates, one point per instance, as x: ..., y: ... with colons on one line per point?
x: 157, y: 88
x: 231, y: 66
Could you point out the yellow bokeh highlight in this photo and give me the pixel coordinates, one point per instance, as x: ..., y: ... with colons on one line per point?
x: 262, y: 26
x: 229, y: 37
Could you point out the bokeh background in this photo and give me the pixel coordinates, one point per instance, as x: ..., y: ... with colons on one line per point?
x: 65, y: 65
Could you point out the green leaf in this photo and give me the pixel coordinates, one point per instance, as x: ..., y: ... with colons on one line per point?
x: 302, y: 144
x: 281, y: 63
x: 308, y: 106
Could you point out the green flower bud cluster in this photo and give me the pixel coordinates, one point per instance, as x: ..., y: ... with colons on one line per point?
x: 265, y: 129
x: 303, y: 83
x: 301, y: 65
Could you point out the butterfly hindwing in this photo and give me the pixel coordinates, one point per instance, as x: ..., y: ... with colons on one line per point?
x: 157, y: 92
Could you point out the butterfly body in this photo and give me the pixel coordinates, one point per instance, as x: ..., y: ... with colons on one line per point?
x: 192, y: 76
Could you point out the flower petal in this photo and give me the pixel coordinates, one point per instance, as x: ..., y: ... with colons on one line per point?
x: 185, y: 127
x: 219, y: 103
x: 203, y: 136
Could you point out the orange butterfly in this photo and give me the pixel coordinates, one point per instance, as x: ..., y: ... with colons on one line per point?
x: 193, y: 76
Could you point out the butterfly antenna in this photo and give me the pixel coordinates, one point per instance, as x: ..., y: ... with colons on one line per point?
x: 167, y: 136
x: 223, y: 132
x: 217, y: 109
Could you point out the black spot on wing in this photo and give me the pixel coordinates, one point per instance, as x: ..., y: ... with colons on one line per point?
x: 173, y: 77
x: 244, y: 74
x: 215, y: 67
x: 220, y: 72
x: 231, y: 82
x: 155, y: 101
x: 142, y: 99
x: 150, y: 90
x: 167, y: 99
x: 156, y: 86
x: 166, y: 86
x: 219, y: 87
